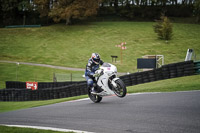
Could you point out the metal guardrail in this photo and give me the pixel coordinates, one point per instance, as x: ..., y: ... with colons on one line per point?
x: 197, y: 67
x: 22, y: 26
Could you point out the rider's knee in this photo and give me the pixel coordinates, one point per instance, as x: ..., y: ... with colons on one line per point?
x: 90, y: 82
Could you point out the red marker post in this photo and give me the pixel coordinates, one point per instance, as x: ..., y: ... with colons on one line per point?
x: 122, y: 47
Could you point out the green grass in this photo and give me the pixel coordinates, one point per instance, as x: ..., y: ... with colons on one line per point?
x: 5, y: 129
x: 10, y: 106
x: 71, y: 46
x: 187, y: 83
x: 13, y: 72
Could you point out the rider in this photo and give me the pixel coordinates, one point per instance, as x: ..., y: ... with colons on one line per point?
x: 91, y: 67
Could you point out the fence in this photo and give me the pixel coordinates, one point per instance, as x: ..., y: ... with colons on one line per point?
x: 60, y: 77
x: 45, y: 91
x: 16, y: 91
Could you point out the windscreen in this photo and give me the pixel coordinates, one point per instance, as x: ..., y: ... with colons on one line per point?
x: 106, y: 65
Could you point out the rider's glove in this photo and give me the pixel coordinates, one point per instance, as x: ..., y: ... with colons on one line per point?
x: 98, y: 73
x: 91, y: 74
x: 101, y: 72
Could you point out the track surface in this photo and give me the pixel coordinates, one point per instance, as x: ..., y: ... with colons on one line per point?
x: 177, y: 112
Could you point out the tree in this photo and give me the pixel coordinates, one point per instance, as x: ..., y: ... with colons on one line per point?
x: 163, y: 28
x: 197, y: 10
x: 24, y: 5
x: 8, y: 8
x: 73, y: 9
x: 43, y: 7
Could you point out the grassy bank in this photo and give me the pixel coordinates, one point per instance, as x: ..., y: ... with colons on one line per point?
x: 72, y: 45
x: 13, y: 72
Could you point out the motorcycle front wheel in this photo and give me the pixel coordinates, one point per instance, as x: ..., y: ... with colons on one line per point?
x: 94, y: 98
x: 120, y: 90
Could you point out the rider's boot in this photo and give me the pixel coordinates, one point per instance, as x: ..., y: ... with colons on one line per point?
x: 99, y: 89
x: 94, y: 91
x: 96, y: 88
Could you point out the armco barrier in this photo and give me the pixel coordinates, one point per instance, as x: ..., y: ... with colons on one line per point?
x: 43, y: 94
x: 174, y: 70
x: 197, y: 67
x: 41, y: 85
x: 16, y: 91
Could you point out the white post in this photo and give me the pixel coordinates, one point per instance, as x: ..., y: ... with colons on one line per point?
x: 189, y: 55
x: 17, y: 66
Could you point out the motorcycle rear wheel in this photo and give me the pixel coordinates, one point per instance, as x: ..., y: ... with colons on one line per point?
x: 120, y: 90
x: 94, y: 98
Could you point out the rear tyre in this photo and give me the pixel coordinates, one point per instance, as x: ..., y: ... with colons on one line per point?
x: 94, y: 98
x: 120, y: 90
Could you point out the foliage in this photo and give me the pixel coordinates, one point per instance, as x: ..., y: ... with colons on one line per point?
x: 25, y: 5
x: 197, y: 10
x: 163, y: 28
x: 42, y: 7
x: 42, y: 12
x: 77, y: 9
x: 7, y: 10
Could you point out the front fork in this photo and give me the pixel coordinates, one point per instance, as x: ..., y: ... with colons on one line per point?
x: 112, y: 83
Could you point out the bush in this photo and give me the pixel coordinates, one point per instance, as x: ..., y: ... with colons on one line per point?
x: 163, y: 28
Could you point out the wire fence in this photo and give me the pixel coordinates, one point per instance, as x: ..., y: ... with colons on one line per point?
x: 60, y: 77
x: 23, y: 73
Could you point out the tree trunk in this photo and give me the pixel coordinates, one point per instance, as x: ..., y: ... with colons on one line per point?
x: 116, y: 6
x: 198, y: 19
x: 68, y: 20
x: 24, y: 19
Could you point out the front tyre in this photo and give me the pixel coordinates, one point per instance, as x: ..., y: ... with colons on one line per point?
x: 94, y: 98
x: 120, y: 90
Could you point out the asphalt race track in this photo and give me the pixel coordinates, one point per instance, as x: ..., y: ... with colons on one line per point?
x: 174, y: 112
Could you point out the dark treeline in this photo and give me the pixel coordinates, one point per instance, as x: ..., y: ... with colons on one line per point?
x: 24, y: 12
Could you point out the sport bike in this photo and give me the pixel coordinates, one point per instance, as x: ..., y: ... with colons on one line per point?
x: 107, y: 83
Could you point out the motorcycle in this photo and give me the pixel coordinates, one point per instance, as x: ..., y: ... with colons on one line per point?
x: 107, y: 83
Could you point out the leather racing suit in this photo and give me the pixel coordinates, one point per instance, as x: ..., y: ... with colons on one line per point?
x: 91, y: 67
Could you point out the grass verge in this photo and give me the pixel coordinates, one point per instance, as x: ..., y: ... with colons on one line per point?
x: 10, y: 106
x: 187, y: 83
x: 5, y: 129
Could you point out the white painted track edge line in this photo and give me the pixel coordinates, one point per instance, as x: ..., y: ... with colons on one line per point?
x: 46, y: 128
